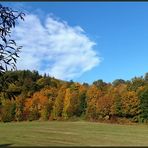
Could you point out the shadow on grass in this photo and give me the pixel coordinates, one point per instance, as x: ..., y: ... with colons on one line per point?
x: 5, y: 145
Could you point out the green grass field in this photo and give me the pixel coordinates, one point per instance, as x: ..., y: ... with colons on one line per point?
x: 80, y: 133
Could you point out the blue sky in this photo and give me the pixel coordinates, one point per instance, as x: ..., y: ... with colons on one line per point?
x: 99, y: 40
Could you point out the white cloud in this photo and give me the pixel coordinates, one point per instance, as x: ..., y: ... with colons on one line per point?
x: 54, y: 47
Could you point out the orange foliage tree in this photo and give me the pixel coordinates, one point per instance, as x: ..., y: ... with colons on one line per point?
x: 93, y: 95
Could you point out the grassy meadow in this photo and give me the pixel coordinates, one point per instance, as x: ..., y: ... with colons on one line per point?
x: 79, y: 133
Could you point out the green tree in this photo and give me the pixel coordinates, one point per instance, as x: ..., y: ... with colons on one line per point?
x: 135, y: 83
x: 146, y: 77
x: 100, y: 84
x: 82, y: 103
x: 118, y: 82
x: 144, y: 105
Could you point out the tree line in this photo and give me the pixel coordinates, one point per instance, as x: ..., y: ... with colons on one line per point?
x: 46, y: 98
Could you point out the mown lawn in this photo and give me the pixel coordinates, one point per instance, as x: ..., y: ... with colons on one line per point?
x: 80, y: 133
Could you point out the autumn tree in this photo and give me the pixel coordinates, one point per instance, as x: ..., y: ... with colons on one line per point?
x: 130, y: 105
x: 59, y: 102
x: 104, y: 106
x: 8, y: 111
x: 19, y: 107
x: 93, y: 94
x: 116, y: 92
x: 66, y: 110
x: 41, y: 104
x: 71, y: 101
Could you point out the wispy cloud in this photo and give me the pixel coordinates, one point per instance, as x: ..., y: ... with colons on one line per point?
x: 54, y: 47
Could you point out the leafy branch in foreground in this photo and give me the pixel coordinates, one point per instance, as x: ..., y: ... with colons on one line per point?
x: 8, y: 48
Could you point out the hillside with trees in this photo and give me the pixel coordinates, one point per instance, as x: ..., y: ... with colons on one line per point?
x: 37, y: 97
x: 26, y: 95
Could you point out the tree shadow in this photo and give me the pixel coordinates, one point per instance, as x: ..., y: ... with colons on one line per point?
x: 5, y: 145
